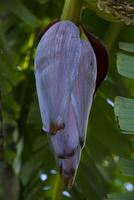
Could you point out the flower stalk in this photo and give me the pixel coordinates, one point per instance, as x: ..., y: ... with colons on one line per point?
x: 72, y: 10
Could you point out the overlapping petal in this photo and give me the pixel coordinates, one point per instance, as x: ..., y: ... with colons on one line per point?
x: 56, y: 61
x: 84, y: 87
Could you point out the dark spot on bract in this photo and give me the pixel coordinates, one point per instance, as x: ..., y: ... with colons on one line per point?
x: 54, y: 127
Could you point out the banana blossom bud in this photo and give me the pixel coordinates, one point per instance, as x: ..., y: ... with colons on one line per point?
x: 66, y: 72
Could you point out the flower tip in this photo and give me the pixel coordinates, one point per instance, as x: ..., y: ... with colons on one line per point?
x: 67, y: 177
x: 68, y: 180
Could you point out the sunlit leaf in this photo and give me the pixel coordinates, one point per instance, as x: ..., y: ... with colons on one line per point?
x: 125, y: 65
x: 124, y: 108
x: 129, y: 47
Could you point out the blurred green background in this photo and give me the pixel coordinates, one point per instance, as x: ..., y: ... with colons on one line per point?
x: 27, y: 167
